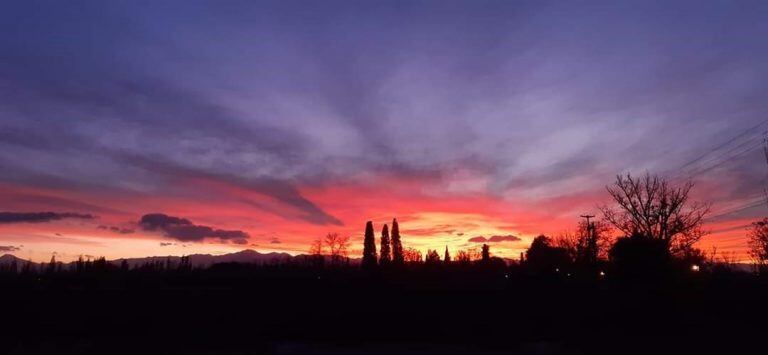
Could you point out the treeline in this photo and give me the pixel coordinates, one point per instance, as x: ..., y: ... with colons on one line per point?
x: 96, y: 265
x: 393, y: 254
x: 658, y: 224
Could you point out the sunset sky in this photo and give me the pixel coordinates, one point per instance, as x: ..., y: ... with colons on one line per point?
x: 268, y: 124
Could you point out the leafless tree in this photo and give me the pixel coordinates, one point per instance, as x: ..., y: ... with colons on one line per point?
x: 466, y: 256
x: 729, y: 259
x: 412, y: 255
x: 569, y: 242
x: 590, y: 243
x: 316, y: 257
x: 652, y: 207
x: 316, y: 248
x: 757, y: 239
x: 337, y: 246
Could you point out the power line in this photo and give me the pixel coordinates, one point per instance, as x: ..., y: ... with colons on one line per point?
x: 725, y: 160
x: 738, y: 208
x: 727, y: 152
x: 750, y: 143
x: 724, y: 144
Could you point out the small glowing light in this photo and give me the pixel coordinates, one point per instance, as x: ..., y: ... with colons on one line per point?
x: 557, y: 270
x: 695, y: 268
x: 506, y: 276
x: 602, y: 273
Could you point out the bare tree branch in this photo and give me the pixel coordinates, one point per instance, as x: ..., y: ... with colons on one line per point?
x: 651, y: 207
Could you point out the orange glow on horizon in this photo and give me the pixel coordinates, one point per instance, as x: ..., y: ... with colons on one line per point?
x: 427, y: 220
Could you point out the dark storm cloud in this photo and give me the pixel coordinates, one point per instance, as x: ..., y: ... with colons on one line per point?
x: 541, y: 99
x: 39, y: 217
x: 184, y: 230
x: 9, y: 248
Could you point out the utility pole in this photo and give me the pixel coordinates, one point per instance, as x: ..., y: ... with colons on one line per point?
x: 590, y: 226
x: 589, y: 255
x: 588, y: 216
x: 765, y: 146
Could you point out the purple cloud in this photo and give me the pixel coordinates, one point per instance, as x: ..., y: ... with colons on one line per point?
x: 494, y: 239
x: 9, y: 248
x: 184, y: 230
x: 635, y: 85
x: 39, y: 217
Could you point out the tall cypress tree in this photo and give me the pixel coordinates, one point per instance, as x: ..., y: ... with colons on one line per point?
x: 369, y: 247
x: 386, y: 256
x: 447, y: 257
x: 397, y: 245
x: 486, y: 254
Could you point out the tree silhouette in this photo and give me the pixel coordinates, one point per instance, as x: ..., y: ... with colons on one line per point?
x: 757, y: 239
x: 338, y: 246
x: 100, y: 264
x: 639, y: 255
x: 316, y: 252
x: 14, y: 267
x: 28, y: 268
x: 590, y: 243
x: 397, y: 246
x: 466, y: 256
x: 185, y: 264
x: 432, y: 258
x: 52, y: 265
x: 386, y: 256
x: 651, y: 207
x: 80, y: 264
x: 447, y: 257
x: 316, y: 248
x: 369, y: 247
x: 486, y: 254
x: 542, y: 256
x: 411, y: 255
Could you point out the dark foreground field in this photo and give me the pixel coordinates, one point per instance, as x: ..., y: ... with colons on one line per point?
x: 239, y: 310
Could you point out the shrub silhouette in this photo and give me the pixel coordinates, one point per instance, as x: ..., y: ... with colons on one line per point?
x: 432, y: 257
x: 544, y: 257
x: 639, y: 255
